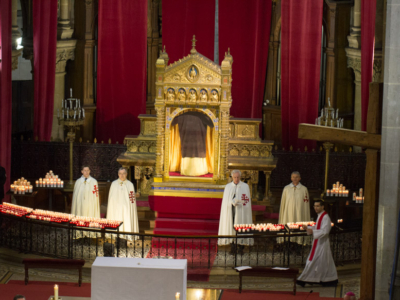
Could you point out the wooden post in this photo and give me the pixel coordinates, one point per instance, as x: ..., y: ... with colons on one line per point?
x: 371, y: 204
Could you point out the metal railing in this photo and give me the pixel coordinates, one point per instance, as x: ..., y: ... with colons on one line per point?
x: 66, y: 241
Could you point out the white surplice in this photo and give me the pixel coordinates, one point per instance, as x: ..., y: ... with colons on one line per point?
x: 295, y: 207
x: 122, y: 205
x: 85, y: 200
x: 243, y: 214
x: 320, y: 266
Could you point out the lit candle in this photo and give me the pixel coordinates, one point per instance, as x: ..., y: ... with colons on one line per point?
x: 37, y: 183
x: 177, y: 296
x: 361, y: 192
x: 55, y: 292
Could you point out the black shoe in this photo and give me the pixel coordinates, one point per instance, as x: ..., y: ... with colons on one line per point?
x: 330, y: 283
x: 301, y: 283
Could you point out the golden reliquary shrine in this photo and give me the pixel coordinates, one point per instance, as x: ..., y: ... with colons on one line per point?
x: 191, y: 145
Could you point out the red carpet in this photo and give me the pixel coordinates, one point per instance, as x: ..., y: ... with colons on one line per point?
x: 262, y: 295
x: 40, y: 290
x: 209, y: 175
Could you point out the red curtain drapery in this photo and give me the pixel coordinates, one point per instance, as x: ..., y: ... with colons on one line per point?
x: 300, y: 67
x: 44, y: 14
x: 121, y: 79
x: 5, y: 90
x: 181, y: 20
x: 244, y: 27
x: 368, y: 12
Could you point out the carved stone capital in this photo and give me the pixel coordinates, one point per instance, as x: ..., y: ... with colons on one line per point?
x: 65, y: 52
x: 14, y: 57
x: 354, y: 62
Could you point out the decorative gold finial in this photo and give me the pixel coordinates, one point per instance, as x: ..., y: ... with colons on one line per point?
x: 193, y: 45
x: 164, y: 49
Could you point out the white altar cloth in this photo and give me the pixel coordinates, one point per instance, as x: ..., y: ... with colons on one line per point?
x: 138, y: 278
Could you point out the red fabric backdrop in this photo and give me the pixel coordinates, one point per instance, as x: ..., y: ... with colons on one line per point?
x: 44, y: 66
x: 5, y: 90
x: 181, y: 20
x: 121, y: 79
x: 300, y: 67
x: 244, y: 27
x: 368, y: 11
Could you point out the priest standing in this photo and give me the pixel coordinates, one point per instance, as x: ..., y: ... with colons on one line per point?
x: 85, y: 200
x: 235, y: 208
x: 320, y: 267
x: 122, y: 203
x: 295, y: 206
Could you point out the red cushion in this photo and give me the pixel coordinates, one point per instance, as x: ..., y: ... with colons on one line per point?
x: 258, y: 207
x: 78, y: 262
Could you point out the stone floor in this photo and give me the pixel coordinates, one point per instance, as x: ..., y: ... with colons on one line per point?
x: 11, y: 268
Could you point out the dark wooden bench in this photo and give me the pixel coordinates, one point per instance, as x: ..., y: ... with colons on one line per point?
x: 53, y: 264
x: 269, y: 272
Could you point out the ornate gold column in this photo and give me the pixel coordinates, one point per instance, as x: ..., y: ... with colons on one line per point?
x: 226, y: 102
x: 160, y: 109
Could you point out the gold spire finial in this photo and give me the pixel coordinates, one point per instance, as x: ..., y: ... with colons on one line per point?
x: 193, y: 45
x: 164, y: 49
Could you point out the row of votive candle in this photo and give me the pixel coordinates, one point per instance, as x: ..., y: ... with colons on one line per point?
x: 338, y: 190
x: 258, y: 227
x: 21, y: 189
x: 52, y: 182
x: 95, y: 222
x: 21, y: 186
x: 360, y: 197
x: 299, y: 225
x: 14, y: 209
x: 47, y: 215
x: 340, y: 220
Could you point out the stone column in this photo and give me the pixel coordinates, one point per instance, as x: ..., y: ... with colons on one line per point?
x: 15, y: 34
x: 389, y: 193
x: 64, y: 30
x: 65, y: 51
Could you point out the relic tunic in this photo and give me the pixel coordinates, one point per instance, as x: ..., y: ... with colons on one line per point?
x: 122, y: 205
x: 320, y: 266
x: 237, y: 196
x: 85, y: 200
x: 193, y: 133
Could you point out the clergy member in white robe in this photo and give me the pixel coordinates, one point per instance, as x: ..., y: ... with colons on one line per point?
x: 235, y: 209
x: 320, y: 267
x: 122, y: 203
x: 295, y: 206
x: 85, y: 199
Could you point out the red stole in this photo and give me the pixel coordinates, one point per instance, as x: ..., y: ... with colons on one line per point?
x: 314, y: 247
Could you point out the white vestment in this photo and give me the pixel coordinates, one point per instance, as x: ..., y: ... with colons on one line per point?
x: 320, y: 266
x: 243, y: 214
x: 85, y: 200
x: 122, y: 205
x: 295, y: 207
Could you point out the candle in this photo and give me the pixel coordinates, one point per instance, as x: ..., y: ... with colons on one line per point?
x: 322, y: 113
x: 30, y: 189
x: 55, y: 292
x: 337, y: 113
x: 70, y: 92
x: 83, y: 113
x: 80, y: 111
x: 361, y: 192
x: 328, y: 192
x: 75, y: 115
x: 37, y: 183
x: 67, y: 113
x: 177, y: 296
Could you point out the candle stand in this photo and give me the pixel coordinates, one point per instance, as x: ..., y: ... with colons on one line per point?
x: 72, y: 117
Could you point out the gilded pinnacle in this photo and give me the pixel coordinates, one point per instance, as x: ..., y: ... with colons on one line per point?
x: 193, y: 51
